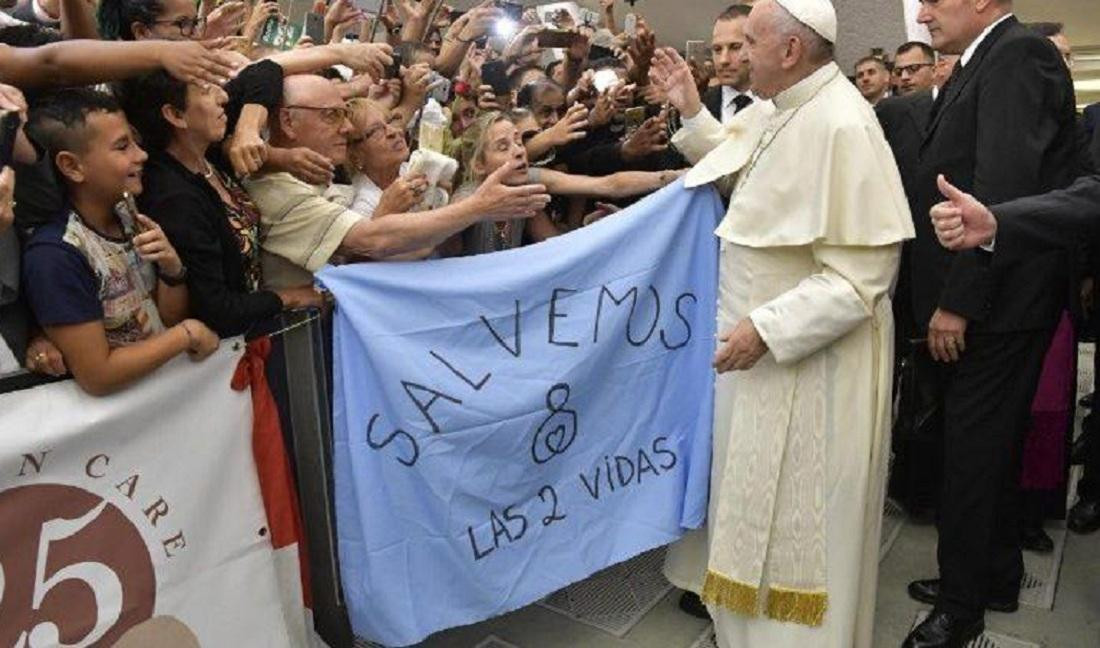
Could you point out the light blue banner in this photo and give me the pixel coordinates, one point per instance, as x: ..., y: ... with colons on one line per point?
x: 511, y: 423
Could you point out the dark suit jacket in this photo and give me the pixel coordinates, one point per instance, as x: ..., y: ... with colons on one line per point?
x: 1003, y: 128
x: 904, y: 120
x: 1051, y: 221
x: 1092, y: 129
x: 712, y: 99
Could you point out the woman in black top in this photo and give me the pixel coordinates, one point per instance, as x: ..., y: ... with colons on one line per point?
x: 207, y: 216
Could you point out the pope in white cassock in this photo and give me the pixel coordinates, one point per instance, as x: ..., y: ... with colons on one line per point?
x: 809, y: 252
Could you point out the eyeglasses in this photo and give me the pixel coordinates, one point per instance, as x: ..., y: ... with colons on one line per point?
x: 368, y: 135
x: 329, y: 114
x: 912, y: 69
x: 186, y: 25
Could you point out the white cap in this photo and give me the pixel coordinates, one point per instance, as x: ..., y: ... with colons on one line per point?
x: 818, y: 15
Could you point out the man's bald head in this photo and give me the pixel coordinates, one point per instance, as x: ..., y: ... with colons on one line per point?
x: 307, y: 89
x: 781, y: 50
x: 313, y: 115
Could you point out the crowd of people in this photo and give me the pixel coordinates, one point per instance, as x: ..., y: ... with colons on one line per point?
x: 176, y: 172
x: 181, y: 174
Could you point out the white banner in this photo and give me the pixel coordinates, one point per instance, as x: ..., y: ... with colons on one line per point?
x: 136, y: 517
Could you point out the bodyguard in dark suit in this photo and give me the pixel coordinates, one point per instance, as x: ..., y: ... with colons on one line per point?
x: 1024, y: 227
x: 731, y: 95
x: 712, y: 100
x: 1002, y: 127
x: 904, y: 121
x: 917, y: 435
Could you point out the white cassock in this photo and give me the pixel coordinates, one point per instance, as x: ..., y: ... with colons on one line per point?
x: 810, y: 250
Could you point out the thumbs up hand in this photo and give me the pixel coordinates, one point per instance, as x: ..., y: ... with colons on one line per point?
x: 961, y: 222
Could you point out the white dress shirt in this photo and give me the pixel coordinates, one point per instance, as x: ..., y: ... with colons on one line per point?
x: 968, y: 53
x: 729, y: 93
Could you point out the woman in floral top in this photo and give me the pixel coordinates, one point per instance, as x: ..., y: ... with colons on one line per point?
x: 206, y: 214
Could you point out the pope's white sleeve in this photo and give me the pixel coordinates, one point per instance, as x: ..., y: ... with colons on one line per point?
x: 826, y: 306
x: 700, y: 135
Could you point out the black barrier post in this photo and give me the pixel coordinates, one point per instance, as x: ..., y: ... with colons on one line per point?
x: 309, y: 410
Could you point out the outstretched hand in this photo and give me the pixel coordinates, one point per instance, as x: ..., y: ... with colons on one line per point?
x: 672, y: 75
x: 497, y: 200
x: 196, y: 62
x: 962, y: 222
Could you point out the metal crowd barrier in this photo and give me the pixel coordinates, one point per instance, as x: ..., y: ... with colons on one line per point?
x: 299, y: 371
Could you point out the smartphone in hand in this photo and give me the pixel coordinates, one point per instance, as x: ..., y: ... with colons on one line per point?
x: 394, y: 70
x: 315, y: 27
x: 495, y: 74
x: 634, y: 118
x: 696, y: 51
x: 557, y: 38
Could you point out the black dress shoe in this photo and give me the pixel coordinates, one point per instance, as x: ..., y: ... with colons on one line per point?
x: 1037, y: 540
x: 928, y: 591
x: 1084, y: 517
x: 944, y: 630
x: 693, y: 605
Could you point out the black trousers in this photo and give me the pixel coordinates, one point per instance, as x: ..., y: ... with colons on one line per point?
x: 987, y: 402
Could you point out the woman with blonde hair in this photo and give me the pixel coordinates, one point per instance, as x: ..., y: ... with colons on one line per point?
x: 377, y: 157
x: 497, y: 140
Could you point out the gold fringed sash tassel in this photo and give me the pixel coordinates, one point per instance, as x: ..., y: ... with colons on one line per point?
x: 783, y: 604
x: 730, y: 594
x: 797, y: 606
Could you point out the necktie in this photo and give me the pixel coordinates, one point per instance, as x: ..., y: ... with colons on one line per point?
x: 942, y: 96
x: 741, y: 102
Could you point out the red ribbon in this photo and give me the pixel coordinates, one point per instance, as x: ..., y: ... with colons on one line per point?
x: 276, y: 477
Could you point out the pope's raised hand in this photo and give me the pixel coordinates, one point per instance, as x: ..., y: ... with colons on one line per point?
x: 961, y: 222
x: 671, y: 74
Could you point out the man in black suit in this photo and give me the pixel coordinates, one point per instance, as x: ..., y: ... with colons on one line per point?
x: 731, y: 95
x: 915, y: 472
x: 1002, y: 127
x: 1050, y: 221
x: 915, y: 67
x: 905, y: 118
x: 873, y: 78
